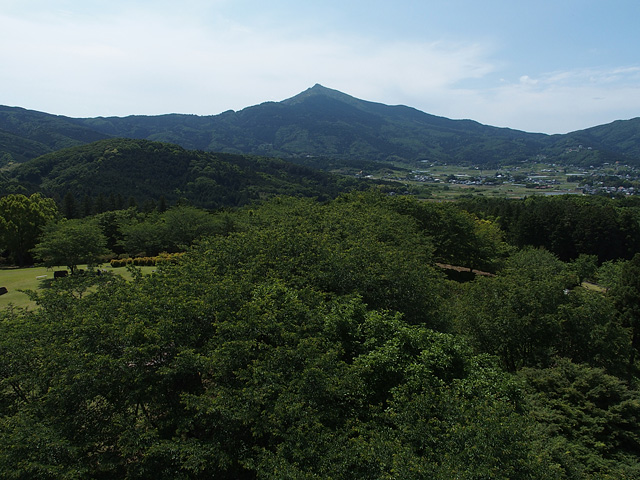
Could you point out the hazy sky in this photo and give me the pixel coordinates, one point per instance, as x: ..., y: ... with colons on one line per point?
x: 540, y: 66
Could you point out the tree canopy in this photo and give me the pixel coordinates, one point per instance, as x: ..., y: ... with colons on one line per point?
x: 71, y: 243
x: 21, y: 221
x: 306, y: 339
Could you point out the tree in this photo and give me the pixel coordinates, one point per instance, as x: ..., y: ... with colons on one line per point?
x: 585, y: 266
x: 69, y: 209
x: 459, y: 237
x: 100, y: 203
x: 21, y: 221
x: 514, y: 315
x: 626, y: 297
x: 298, y: 346
x: 354, y: 245
x: 593, y: 417
x: 608, y: 274
x: 143, y: 237
x: 71, y: 243
x: 86, y: 207
x: 592, y: 332
x: 174, y: 230
x: 110, y: 223
x: 162, y: 205
x: 183, y: 225
x: 168, y: 377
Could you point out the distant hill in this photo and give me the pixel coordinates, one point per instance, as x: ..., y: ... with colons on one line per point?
x: 621, y: 137
x: 145, y: 171
x: 324, y: 128
x: 26, y: 134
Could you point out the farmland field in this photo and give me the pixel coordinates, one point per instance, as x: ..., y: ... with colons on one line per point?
x: 448, y: 182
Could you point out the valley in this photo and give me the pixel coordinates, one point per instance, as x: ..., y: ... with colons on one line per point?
x: 443, y: 181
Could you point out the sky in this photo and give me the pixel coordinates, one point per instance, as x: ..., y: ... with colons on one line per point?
x: 550, y: 66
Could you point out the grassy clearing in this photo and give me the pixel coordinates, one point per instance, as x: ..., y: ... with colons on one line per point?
x: 34, y: 278
x: 593, y: 287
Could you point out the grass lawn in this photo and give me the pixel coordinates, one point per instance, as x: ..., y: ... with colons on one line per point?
x: 16, y: 279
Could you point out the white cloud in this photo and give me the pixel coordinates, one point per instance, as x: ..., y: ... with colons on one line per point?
x: 527, y: 80
x: 557, y: 102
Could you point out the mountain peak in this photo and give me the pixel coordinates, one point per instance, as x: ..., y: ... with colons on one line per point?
x: 318, y: 89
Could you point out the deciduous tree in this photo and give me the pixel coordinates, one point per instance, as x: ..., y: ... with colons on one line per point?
x: 626, y: 296
x: 71, y: 243
x: 21, y: 221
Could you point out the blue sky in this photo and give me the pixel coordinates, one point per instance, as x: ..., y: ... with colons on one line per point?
x: 544, y: 66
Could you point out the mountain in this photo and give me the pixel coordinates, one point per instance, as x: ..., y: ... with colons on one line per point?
x: 26, y: 134
x: 326, y: 128
x: 619, y: 137
x: 145, y: 171
x: 321, y: 122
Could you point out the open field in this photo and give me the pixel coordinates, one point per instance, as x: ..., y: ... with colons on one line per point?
x: 33, y: 278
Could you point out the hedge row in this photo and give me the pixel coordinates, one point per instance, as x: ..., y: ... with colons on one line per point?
x: 144, y: 261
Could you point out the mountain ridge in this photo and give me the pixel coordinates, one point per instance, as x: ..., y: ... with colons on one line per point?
x: 326, y: 124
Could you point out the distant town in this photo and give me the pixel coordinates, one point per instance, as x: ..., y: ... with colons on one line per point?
x: 613, y: 180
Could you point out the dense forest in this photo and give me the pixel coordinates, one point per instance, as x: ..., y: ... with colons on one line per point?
x: 116, y: 173
x: 305, y: 338
x: 568, y: 225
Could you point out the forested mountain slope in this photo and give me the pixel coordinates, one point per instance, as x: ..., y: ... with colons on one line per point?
x: 26, y: 134
x: 321, y: 125
x: 621, y: 136
x: 146, y: 171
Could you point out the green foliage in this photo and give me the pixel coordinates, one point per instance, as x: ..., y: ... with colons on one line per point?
x: 608, y: 274
x: 71, y: 243
x: 174, y: 230
x: 21, y: 221
x: 566, y: 225
x: 111, y: 223
x: 592, y: 332
x: 224, y: 378
x: 585, y: 267
x: 142, y: 236
x: 626, y: 296
x: 356, y: 244
x: 144, y: 172
x: 515, y: 314
x: 459, y: 238
x: 302, y: 339
x: 592, y: 416
x: 184, y: 225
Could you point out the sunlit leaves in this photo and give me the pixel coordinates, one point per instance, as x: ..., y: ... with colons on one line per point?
x: 71, y: 243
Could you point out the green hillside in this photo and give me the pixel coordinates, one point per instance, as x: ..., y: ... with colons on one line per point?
x: 26, y: 134
x: 145, y: 171
x: 622, y: 136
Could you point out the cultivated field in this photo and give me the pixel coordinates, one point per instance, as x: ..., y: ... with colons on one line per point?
x: 434, y: 181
